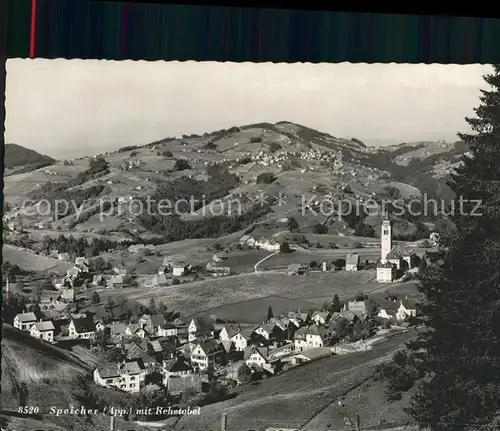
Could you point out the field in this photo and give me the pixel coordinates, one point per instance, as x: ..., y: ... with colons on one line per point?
x: 207, y: 294
x: 31, y: 261
x: 254, y: 311
x: 297, y: 397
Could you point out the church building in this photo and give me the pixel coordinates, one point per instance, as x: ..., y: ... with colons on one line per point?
x: 392, y: 257
x: 385, y: 269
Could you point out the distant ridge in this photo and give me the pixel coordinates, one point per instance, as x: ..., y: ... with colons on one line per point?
x: 19, y: 158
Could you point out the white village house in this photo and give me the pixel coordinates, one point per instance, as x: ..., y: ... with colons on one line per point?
x: 43, y: 331
x: 82, y: 328
x: 24, y: 321
x: 352, y: 262
x: 127, y: 376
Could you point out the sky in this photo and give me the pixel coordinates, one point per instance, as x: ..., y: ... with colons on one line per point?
x: 72, y: 108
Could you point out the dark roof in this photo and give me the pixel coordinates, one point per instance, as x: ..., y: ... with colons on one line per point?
x: 400, y: 250
x: 178, y: 365
x: 84, y: 325
x: 108, y: 371
x: 210, y: 346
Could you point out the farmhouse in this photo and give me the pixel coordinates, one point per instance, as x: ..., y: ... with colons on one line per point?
x: 43, y: 331
x: 178, y: 269
x: 385, y: 272
x: 177, y: 367
x: 320, y: 317
x: 168, y: 330
x: 209, y: 353
x: 83, y: 328
x: 269, y: 244
x: 296, y: 268
x: 199, y: 328
x: 24, y: 321
x: 352, y: 262
x: 357, y: 307
x: 242, y: 339
x: 267, y: 330
x: 311, y: 355
x: 406, y: 310
x: 259, y: 358
x: 152, y: 323
x: 136, y: 248
x: 127, y: 376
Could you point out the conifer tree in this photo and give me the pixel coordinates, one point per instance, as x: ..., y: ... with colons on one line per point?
x: 459, y: 350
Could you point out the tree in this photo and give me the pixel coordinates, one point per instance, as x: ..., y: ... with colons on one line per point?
x: 274, y: 146
x: 181, y: 165
x: 152, y: 309
x: 96, y: 299
x: 270, y: 314
x: 320, y: 229
x: 244, y: 373
x: 266, y: 178
x: 313, y: 264
x: 292, y: 224
x: 460, y: 346
x: 335, y: 305
x: 285, y: 247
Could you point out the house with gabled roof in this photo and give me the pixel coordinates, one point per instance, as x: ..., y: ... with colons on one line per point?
x: 320, y: 317
x: 259, y: 358
x: 68, y: 295
x: 152, y: 323
x: 168, y: 329
x: 407, y: 308
x: 177, y: 367
x: 269, y: 244
x: 241, y: 339
x: 267, y: 330
x: 83, y: 328
x: 43, y: 331
x: 127, y: 376
x: 208, y: 353
x: 116, y: 281
x: 311, y: 355
x: 352, y: 262
x: 24, y: 321
x: 200, y: 327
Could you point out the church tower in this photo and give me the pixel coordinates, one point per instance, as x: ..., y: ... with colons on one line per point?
x: 385, y: 239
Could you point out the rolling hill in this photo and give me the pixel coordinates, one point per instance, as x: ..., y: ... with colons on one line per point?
x: 18, y: 158
x: 270, y: 160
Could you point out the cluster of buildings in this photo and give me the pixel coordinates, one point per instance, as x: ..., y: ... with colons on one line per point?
x: 392, y: 258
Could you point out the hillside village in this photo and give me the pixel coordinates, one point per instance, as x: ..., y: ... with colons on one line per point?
x: 109, y: 289
x: 139, y: 346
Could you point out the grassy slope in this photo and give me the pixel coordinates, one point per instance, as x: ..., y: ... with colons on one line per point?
x: 296, y: 397
x: 33, y: 262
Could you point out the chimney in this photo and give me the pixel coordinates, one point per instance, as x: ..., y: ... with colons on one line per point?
x: 223, y: 422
